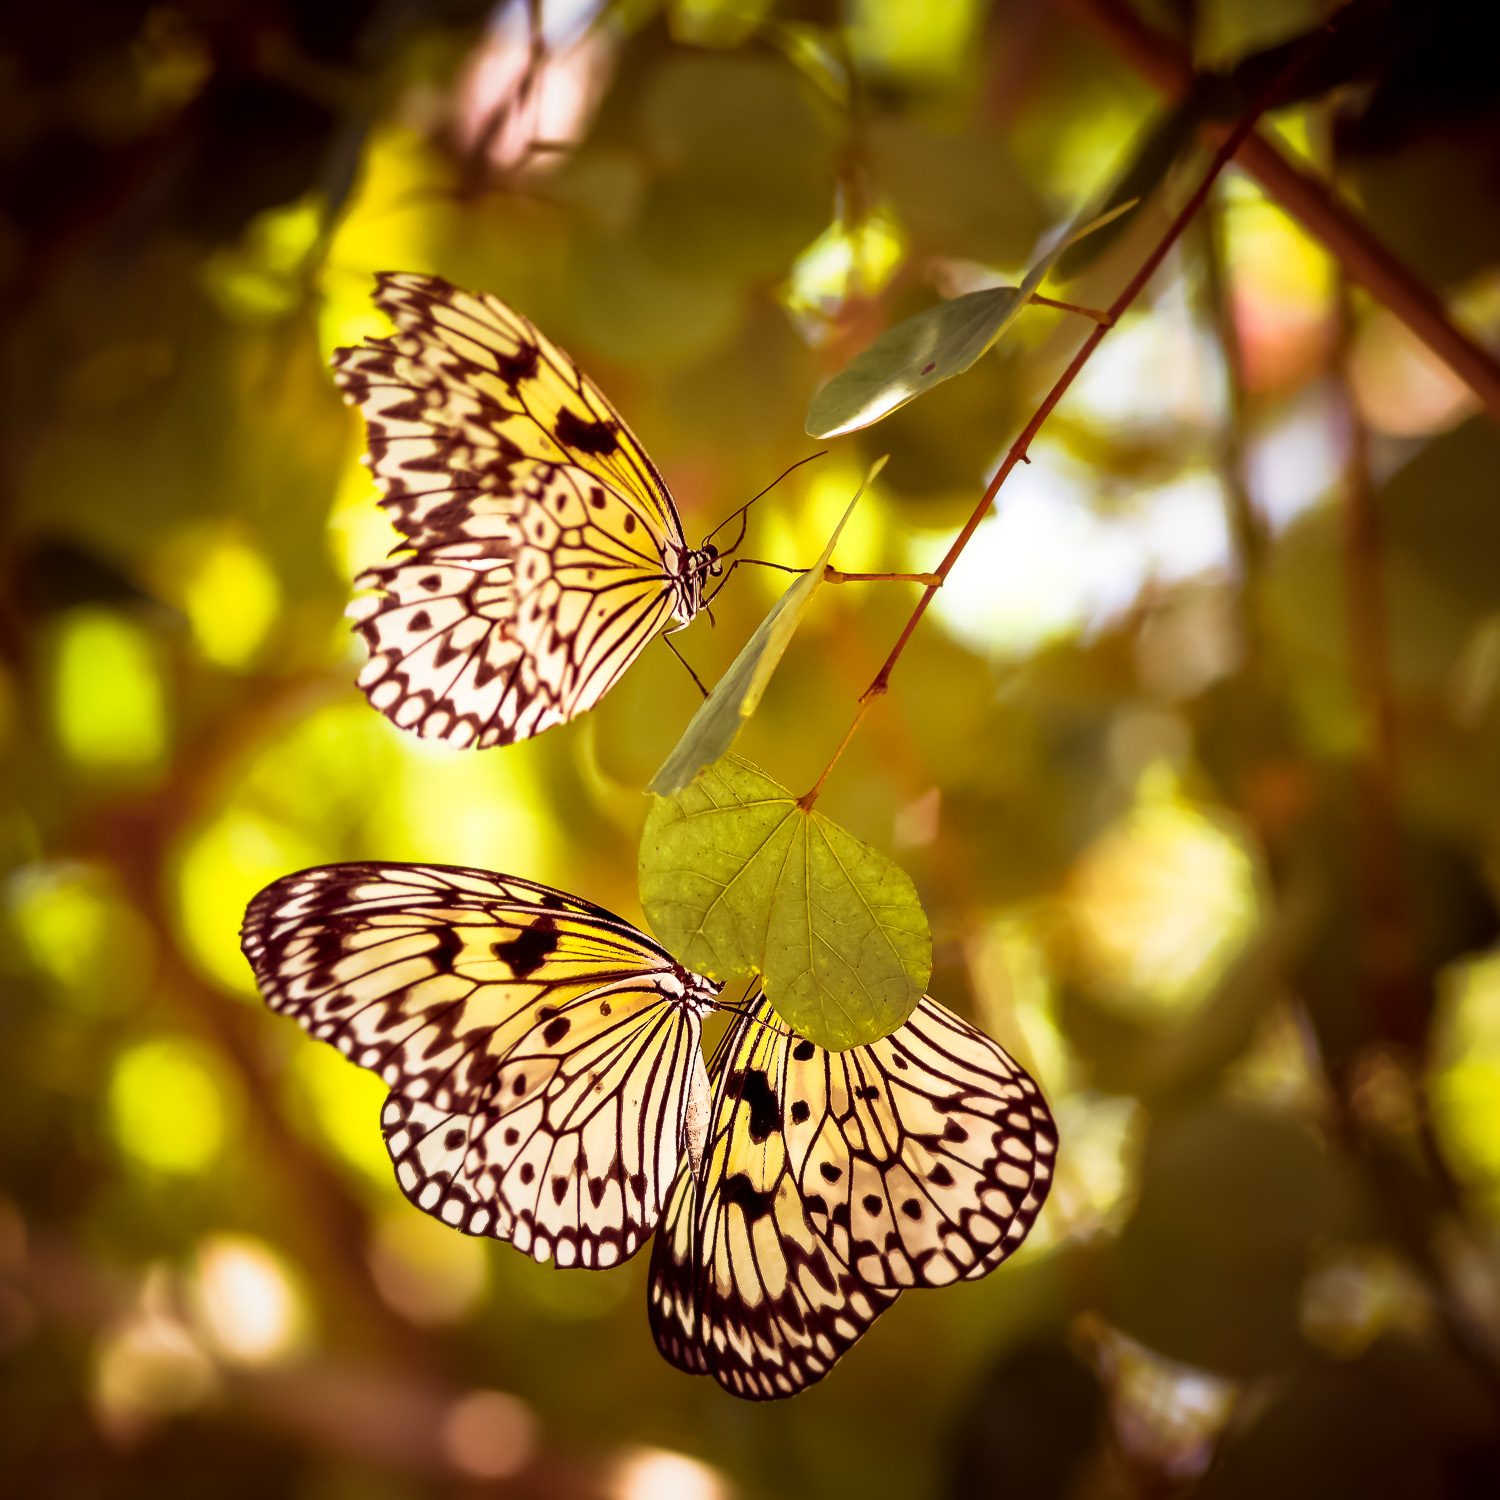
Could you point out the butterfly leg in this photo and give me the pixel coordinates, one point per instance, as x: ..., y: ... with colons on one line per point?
x: 680, y: 657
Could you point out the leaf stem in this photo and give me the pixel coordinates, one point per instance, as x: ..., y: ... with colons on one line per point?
x: 1103, y: 318
x: 833, y: 575
x: 1018, y: 449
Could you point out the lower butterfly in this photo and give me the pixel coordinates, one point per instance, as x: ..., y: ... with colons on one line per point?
x: 542, y: 1054
x: 833, y: 1181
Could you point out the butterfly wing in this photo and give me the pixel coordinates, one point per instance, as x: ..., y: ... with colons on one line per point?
x: 539, y: 1050
x: 672, y: 1281
x: 545, y: 550
x: 923, y: 1158
x: 467, y: 390
x: 832, y: 1181
x: 494, y: 656
x: 772, y: 1308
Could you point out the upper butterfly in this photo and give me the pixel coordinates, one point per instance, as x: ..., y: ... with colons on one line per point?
x: 543, y: 548
x: 542, y: 1054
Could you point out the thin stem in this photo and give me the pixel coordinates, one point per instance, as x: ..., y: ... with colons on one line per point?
x: 1037, y: 300
x: 806, y: 800
x: 1166, y: 64
x: 832, y: 575
x: 1018, y: 449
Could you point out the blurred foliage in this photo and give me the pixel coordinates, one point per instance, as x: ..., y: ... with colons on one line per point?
x: 1133, y: 759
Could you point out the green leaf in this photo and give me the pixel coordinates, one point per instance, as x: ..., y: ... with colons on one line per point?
x: 738, y: 692
x: 920, y: 352
x: 737, y: 879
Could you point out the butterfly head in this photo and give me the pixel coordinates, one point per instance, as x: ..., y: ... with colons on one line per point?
x: 697, y: 567
x: 695, y: 991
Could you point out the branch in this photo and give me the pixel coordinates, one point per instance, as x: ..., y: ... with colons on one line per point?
x: 1366, y: 259
x: 1018, y: 449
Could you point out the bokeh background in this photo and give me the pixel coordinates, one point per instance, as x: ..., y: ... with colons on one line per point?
x: 1194, y: 761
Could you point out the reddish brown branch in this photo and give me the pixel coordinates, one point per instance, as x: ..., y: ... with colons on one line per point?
x: 1018, y: 449
x: 1167, y: 65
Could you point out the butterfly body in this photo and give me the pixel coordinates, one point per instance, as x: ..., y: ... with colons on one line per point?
x: 543, y: 549
x: 832, y: 1182
x: 542, y: 1054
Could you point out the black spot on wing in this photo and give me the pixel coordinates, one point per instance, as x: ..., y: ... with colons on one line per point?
x: 445, y: 951
x: 514, y: 368
x: 743, y: 1194
x: 765, y: 1108
x: 529, y: 949
x: 585, y: 437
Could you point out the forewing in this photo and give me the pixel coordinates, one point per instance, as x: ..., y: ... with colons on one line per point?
x: 486, y: 641
x: 538, y: 1049
x: 923, y: 1158
x: 464, y: 394
x: 776, y: 1306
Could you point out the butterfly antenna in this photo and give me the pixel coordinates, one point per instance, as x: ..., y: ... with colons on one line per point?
x: 691, y: 673
x: 742, y: 512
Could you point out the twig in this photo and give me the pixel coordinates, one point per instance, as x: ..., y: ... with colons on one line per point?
x: 1038, y: 300
x: 1018, y: 449
x: 1164, y: 63
x: 832, y: 575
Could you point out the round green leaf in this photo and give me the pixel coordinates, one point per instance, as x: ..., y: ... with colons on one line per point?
x: 737, y: 879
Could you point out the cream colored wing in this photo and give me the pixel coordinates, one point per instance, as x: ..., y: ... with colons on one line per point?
x: 539, y: 1051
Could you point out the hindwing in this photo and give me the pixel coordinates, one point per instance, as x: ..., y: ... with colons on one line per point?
x: 922, y: 1158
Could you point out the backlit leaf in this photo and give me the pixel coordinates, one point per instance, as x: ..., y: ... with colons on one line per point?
x: 737, y: 879
x: 920, y: 352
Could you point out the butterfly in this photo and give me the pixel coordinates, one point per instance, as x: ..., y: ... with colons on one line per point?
x: 542, y: 1054
x: 543, y: 549
x: 831, y: 1182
